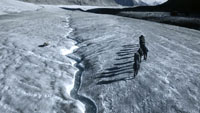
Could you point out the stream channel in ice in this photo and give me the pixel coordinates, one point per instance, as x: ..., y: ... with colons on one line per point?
x: 34, y: 79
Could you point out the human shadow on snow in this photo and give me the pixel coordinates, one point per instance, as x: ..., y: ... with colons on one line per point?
x: 115, y: 80
x: 123, y: 65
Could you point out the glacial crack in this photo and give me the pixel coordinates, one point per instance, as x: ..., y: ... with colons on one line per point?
x: 90, y: 106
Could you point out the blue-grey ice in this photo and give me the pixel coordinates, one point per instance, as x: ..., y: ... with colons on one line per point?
x: 41, y: 79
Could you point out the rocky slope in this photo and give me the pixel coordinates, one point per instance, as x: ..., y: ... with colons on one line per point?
x: 183, y: 5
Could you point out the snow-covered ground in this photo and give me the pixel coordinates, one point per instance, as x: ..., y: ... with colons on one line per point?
x: 168, y: 82
x: 34, y: 79
x: 39, y: 79
x: 14, y: 6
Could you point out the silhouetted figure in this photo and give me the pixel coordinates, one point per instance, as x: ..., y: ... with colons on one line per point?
x: 142, y: 40
x: 145, y: 51
x: 141, y: 54
x: 143, y: 47
x: 136, y: 65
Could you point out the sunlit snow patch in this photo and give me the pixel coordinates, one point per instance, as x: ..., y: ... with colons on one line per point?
x: 65, y: 51
x: 69, y: 87
x: 81, y: 106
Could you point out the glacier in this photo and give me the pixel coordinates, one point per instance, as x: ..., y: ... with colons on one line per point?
x: 98, y: 50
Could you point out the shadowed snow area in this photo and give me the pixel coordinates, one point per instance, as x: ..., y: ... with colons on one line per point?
x: 168, y: 82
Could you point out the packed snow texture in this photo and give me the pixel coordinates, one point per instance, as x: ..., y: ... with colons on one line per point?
x: 14, y: 6
x: 39, y: 80
x: 168, y: 82
x: 34, y: 79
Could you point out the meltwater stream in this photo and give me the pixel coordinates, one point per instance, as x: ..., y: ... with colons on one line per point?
x: 89, y: 104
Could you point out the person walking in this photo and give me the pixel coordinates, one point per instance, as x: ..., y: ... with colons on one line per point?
x: 143, y: 46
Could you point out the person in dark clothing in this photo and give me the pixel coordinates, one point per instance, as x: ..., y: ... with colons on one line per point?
x: 141, y: 54
x: 142, y: 40
x: 136, y: 65
x: 143, y: 46
x: 145, y: 51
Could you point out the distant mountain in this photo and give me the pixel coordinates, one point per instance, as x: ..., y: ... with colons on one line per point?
x: 184, y: 6
x: 140, y: 3
x: 91, y: 2
x: 156, y: 3
x: 131, y: 2
x: 125, y: 2
x: 75, y: 2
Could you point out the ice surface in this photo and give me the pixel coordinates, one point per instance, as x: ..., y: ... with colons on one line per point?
x: 34, y: 79
x: 39, y: 80
x: 168, y: 82
x: 67, y: 51
x: 14, y: 6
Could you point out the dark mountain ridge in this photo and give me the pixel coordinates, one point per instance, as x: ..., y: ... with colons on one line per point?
x: 182, y: 5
